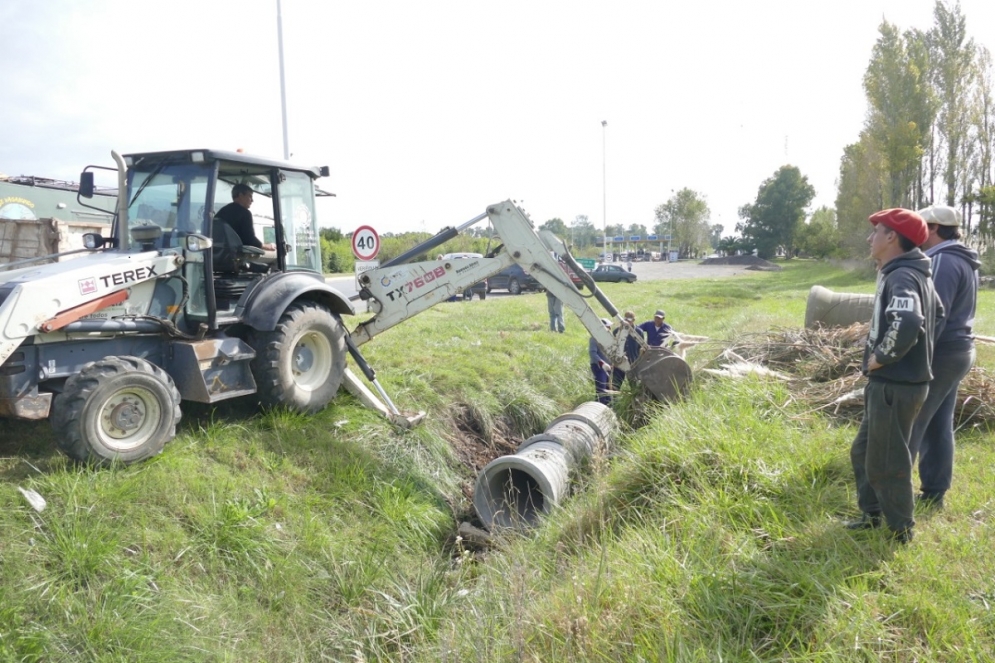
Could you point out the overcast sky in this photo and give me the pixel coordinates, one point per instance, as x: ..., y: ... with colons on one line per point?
x: 426, y: 112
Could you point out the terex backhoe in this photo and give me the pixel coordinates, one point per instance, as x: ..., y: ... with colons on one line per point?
x: 172, y: 306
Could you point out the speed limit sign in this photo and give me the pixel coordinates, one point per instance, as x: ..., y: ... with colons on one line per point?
x: 365, y: 243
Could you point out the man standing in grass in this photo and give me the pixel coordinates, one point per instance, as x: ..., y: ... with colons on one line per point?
x: 897, y: 365
x: 955, y: 276
x: 555, y: 308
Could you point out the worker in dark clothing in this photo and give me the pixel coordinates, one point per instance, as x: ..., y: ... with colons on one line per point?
x: 237, y: 215
x: 555, y: 308
x: 600, y: 367
x: 955, y: 277
x: 896, y: 361
x: 632, y: 347
x: 656, y: 330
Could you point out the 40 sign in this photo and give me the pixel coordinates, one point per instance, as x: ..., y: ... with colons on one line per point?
x: 365, y: 243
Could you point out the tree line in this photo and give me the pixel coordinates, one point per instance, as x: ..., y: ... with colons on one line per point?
x: 929, y: 138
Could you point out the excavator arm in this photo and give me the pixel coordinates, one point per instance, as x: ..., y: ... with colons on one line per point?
x: 400, y: 290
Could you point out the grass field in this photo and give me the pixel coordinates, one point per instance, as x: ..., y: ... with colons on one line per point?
x: 710, y: 534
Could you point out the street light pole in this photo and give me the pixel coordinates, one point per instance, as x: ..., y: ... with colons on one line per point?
x: 283, y: 84
x: 604, y: 191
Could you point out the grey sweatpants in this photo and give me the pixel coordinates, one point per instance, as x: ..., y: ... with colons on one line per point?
x: 882, y: 464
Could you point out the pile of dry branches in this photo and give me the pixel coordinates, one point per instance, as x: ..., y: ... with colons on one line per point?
x: 823, y: 366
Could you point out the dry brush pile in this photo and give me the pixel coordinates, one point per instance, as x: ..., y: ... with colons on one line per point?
x: 823, y: 367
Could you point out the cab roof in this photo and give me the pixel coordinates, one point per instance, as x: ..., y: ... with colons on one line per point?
x: 221, y: 155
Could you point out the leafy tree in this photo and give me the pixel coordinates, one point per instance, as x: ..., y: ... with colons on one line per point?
x: 557, y: 227
x: 774, y: 218
x: 896, y: 87
x: 953, y: 75
x: 583, y: 234
x: 685, y: 216
x: 331, y: 234
x: 820, y: 237
x: 860, y: 193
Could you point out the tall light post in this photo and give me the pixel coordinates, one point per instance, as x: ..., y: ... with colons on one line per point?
x: 604, y: 190
x: 283, y: 85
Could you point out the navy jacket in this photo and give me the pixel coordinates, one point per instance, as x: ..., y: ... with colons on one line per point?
x: 655, y: 337
x: 903, y: 327
x: 955, y: 277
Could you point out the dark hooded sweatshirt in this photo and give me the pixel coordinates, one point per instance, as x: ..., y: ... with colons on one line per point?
x: 955, y: 277
x: 903, y: 327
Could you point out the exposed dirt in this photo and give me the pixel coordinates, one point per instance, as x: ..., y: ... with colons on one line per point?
x: 749, y: 262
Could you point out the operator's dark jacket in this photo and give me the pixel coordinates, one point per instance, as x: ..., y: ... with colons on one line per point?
x: 903, y: 327
x: 240, y: 220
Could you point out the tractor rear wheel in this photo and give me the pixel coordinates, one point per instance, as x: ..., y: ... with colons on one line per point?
x: 116, y: 409
x: 301, y: 363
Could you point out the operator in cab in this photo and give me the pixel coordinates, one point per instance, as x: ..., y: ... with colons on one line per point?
x: 237, y: 215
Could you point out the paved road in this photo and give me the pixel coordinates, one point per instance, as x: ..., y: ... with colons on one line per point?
x: 645, y: 271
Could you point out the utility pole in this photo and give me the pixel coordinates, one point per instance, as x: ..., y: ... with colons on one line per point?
x: 283, y: 84
x: 604, y: 190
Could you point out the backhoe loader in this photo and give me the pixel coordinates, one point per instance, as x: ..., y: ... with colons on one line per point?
x: 173, y: 307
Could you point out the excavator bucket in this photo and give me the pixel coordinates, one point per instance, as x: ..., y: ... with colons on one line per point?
x: 662, y: 373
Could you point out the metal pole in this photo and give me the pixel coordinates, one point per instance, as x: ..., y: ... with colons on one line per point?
x: 604, y: 190
x: 283, y: 84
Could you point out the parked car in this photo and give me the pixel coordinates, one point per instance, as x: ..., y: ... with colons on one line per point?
x: 613, y: 274
x: 573, y: 276
x: 514, y: 279
x: 479, y: 289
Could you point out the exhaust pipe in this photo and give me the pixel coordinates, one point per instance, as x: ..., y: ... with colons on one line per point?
x: 515, y: 491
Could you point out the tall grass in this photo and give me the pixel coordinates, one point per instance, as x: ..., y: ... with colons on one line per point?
x: 712, y: 532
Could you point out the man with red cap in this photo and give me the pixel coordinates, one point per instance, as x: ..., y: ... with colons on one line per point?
x: 896, y: 362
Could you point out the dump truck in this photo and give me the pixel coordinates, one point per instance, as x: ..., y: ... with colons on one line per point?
x: 171, y: 306
x: 43, y: 218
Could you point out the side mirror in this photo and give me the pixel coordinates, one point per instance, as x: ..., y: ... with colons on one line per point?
x: 93, y: 241
x: 86, y: 184
x: 198, y: 243
x: 324, y: 171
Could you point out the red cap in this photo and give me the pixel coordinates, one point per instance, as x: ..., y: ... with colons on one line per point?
x: 905, y: 222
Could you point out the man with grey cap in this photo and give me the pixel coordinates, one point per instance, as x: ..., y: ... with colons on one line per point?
x: 955, y: 277
x: 656, y: 330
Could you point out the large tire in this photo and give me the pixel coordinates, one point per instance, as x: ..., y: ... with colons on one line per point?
x: 116, y: 409
x: 301, y: 363
x: 514, y: 287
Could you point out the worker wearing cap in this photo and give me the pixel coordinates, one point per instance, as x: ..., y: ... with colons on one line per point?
x: 656, y: 330
x: 896, y: 362
x: 955, y: 277
x: 632, y: 346
x: 600, y: 367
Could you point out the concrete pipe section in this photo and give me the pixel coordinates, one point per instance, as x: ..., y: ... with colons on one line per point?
x: 826, y: 308
x: 515, y: 491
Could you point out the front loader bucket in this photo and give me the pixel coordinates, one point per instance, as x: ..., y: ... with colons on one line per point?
x: 662, y: 373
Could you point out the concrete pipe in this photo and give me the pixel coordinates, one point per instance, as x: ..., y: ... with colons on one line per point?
x: 826, y: 308
x: 514, y: 491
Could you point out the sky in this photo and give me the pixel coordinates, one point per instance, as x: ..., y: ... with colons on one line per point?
x: 426, y: 112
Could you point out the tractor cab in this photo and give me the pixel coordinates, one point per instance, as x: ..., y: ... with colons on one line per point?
x: 168, y: 204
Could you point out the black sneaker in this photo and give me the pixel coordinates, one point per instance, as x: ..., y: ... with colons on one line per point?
x: 930, y: 500
x: 867, y: 521
x: 902, y: 535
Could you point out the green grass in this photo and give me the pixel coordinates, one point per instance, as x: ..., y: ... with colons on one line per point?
x: 711, y: 533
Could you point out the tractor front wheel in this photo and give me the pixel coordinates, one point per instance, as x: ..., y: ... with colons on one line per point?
x: 116, y: 409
